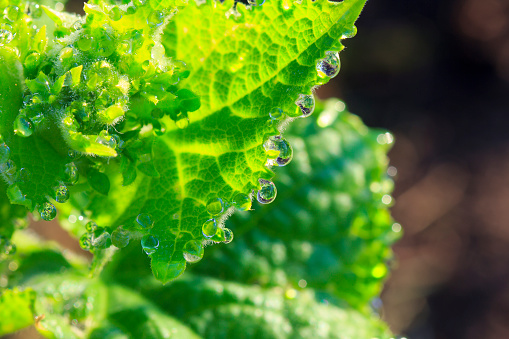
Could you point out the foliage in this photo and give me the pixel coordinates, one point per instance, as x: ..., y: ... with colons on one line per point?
x: 148, y: 123
x: 266, y: 282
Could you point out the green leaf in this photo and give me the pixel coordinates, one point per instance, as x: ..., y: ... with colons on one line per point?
x: 16, y: 310
x: 329, y: 229
x: 218, y: 309
x: 307, y: 265
x: 242, y: 68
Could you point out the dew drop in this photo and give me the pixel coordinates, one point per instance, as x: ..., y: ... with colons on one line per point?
x: 106, y: 139
x: 125, y: 47
x: 71, y: 174
x: 149, y: 244
x: 219, y: 236
x: 91, y: 226
x: 276, y: 113
x: 282, y: 149
x: 23, y: 126
x: 228, y: 236
x: 35, y: 10
x: 61, y: 194
x: 5, y: 36
x: 349, y: 33
x: 48, y: 211
x: 329, y: 66
x: 145, y: 221
x: 12, y: 13
x: 156, y: 18
x: 5, y: 152
x: 256, y: 2
x: 85, y: 241
x: 193, y: 251
x: 209, y: 228
x: 182, y: 122
x: 120, y: 237
x: 215, y: 206
x: 100, y: 239
x: 115, y: 13
x: 306, y: 104
x: 85, y: 43
x: 267, y: 192
x: 242, y: 202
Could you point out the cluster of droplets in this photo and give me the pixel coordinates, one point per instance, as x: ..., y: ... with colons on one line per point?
x: 99, y: 238
x: 278, y: 149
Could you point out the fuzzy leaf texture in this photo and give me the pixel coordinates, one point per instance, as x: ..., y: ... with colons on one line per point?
x: 263, y: 284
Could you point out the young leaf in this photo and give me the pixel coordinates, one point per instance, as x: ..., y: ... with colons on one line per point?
x: 242, y: 67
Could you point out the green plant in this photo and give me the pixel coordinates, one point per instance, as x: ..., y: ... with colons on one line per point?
x: 151, y: 122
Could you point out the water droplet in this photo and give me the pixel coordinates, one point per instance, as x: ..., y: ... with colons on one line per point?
x: 149, y: 244
x: 256, y: 2
x: 209, y: 228
x: 282, y: 148
x: 91, y: 226
x: 306, y: 104
x: 61, y: 194
x: 85, y: 241
x: 100, y: 238
x: 48, y: 211
x: 104, y: 138
x: 25, y: 175
x: 349, y: 33
x: 12, y: 13
x: 276, y: 113
x: 5, y: 36
x: 120, y: 237
x: 23, y: 126
x: 193, y: 251
x: 5, y: 152
x: 156, y: 18
x: 228, y: 235
x: 145, y: 221
x: 267, y: 192
x: 35, y: 10
x: 219, y: 236
x: 71, y: 174
x: 242, y: 202
x: 85, y: 43
x: 125, y: 47
x: 115, y: 13
x: 329, y: 66
x: 215, y: 206
x: 182, y: 122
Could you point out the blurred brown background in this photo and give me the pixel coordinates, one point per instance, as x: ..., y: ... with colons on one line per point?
x: 436, y: 73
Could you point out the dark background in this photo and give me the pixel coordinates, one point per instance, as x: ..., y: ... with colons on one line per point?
x: 436, y: 73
